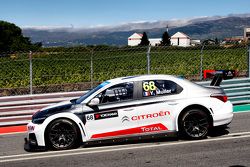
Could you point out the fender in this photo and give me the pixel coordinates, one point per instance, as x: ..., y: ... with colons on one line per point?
x: 70, y: 116
x: 183, y: 108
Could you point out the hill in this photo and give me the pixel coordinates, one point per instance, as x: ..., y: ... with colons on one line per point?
x: 199, y: 28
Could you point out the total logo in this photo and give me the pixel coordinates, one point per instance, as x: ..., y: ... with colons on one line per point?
x: 151, y: 129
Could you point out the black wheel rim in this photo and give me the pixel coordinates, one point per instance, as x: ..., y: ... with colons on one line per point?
x: 62, y: 135
x: 196, y: 125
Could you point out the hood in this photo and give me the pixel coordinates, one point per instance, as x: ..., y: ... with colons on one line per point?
x: 60, y: 104
x: 41, y: 115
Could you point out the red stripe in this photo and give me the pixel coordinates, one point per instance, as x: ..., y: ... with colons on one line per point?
x: 13, y: 129
x: 141, y: 129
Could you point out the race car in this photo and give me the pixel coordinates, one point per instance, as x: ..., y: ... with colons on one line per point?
x: 131, y: 107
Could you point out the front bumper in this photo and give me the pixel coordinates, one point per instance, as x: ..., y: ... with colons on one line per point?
x: 31, y: 144
x: 35, y: 137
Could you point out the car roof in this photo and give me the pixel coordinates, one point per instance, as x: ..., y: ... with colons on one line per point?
x: 181, y: 81
x: 142, y: 77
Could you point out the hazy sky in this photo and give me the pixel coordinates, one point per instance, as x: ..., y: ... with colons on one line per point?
x: 87, y: 13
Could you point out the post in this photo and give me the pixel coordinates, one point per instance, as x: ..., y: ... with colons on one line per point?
x: 201, y: 61
x: 248, y: 57
x: 31, y: 72
x: 148, y: 59
x: 91, y: 68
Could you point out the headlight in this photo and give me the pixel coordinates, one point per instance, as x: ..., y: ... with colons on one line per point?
x: 38, y: 120
x: 39, y: 117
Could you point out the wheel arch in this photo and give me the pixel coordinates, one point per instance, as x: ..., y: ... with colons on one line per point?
x: 68, y: 116
x: 194, y: 106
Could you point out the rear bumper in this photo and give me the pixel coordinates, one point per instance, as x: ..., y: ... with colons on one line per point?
x: 224, y: 116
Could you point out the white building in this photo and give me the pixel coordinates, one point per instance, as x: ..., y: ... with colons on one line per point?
x: 180, y: 39
x: 154, y: 41
x: 134, y: 39
x: 247, y: 34
x: 195, y: 42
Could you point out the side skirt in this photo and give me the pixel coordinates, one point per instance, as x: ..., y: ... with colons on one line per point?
x: 133, y: 138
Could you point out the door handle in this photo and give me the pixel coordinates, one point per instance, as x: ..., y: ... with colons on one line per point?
x: 172, y: 103
x: 129, y: 109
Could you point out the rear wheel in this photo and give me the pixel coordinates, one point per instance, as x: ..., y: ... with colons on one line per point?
x: 194, y: 124
x: 62, y: 134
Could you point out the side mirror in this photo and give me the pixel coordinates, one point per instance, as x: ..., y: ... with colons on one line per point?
x: 95, y: 101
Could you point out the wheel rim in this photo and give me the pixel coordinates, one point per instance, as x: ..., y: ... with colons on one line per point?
x: 62, y: 135
x: 196, y: 125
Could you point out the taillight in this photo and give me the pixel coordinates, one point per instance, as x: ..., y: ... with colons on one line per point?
x: 220, y: 97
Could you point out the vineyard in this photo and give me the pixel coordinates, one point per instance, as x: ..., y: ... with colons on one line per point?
x: 89, y: 65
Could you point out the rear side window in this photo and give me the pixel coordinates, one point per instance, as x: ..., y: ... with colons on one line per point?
x: 160, y: 87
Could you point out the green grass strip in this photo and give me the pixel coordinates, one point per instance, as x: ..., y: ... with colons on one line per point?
x: 241, y: 108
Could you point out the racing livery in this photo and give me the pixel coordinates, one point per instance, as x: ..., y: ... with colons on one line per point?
x: 128, y: 107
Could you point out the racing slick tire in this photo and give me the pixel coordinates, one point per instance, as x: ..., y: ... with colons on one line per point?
x: 194, y: 124
x: 62, y: 134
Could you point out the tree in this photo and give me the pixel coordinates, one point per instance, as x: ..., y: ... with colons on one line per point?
x: 216, y: 41
x: 144, y: 40
x: 165, y: 39
x: 12, y: 39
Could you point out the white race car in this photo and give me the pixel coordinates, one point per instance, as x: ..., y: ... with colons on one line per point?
x: 131, y: 107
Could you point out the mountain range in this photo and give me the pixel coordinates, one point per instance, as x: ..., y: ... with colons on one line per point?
x: 197, y: 28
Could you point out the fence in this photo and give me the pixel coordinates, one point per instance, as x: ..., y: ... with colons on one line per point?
x: 77, y: 69
x: 18, y: 110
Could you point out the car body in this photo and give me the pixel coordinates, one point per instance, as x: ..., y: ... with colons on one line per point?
x: 127, y: 107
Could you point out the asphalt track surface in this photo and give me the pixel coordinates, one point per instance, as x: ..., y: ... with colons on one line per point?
x: 230, y: 147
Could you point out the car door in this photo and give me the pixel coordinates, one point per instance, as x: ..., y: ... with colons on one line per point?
x: 112, y: 116
x: 159, y: 99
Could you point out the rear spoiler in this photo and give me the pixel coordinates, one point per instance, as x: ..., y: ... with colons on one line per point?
x: 220, y: 75
x: 216, y: 80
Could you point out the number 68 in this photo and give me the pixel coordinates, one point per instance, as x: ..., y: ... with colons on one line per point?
x: 149, y: 86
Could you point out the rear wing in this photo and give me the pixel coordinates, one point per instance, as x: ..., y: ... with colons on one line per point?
x: 220, y: 75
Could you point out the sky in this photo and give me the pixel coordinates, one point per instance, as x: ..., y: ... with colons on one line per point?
x: 91, y: 13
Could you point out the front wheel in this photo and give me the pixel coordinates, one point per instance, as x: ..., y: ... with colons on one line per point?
x: 62, y: 134
x: 194, y: 124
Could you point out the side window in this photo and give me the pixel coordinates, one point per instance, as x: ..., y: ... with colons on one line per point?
x: 160, y: 87
x: 119, y: 92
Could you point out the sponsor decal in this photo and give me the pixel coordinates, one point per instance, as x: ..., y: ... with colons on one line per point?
x: 151, y: 129
x: 149, y: 116
x: 125, y: 118
x: 110, y: 114
x: 137, y: 130
x: 104, y: 115
x: 31, y: 128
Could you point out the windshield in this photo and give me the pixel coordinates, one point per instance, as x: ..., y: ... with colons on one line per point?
x: 86, y: 95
